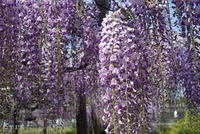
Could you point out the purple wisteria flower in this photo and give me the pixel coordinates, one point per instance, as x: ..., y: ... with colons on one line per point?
x: 124, y: 75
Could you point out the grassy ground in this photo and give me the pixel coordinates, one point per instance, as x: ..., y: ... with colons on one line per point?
x: 39, y: 131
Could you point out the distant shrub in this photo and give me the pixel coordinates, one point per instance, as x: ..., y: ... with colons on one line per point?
x: 163, y: 129
x: 190, y: 124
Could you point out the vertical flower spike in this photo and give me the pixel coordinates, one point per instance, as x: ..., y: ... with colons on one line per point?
x: 124, y: 75
x: 188, y: 20
x: 9, y: 28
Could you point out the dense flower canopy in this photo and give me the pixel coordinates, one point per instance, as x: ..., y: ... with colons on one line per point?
x: 52, y: 50
x: 38, y: 39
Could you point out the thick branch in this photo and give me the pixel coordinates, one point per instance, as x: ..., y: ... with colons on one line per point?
x: 73, y: 69
x: 103, y: 7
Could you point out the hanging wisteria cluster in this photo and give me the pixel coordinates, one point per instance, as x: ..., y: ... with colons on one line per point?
x: 53, y: 50
x: 143, y: 61
x: 188, y: 13
x: 9, y: 23
x: 35, y: 60
x: 124, y: 74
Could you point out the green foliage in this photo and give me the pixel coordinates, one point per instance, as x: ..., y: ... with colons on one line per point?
x: 164, y: 129
x: 190, y: 124
x: 72, y: 129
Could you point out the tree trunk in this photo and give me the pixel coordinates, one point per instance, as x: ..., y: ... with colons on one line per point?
x: 45, y: 126
x: 15, y: 127
x: 81, y: 116
x: 94, y: 122
x: 15, y: 114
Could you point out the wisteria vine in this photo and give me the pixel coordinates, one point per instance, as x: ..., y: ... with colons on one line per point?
x: 53, y: 50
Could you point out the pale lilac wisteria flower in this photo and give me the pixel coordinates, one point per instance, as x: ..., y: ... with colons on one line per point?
x: 123, y: 75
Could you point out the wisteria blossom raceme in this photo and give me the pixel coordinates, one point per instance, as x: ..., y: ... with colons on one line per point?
x: 124, y: 75
x: 191, y: 75
x: 38, y: 32
x: 9, y: 28
x: 188, y: 20
x: 164, y: 53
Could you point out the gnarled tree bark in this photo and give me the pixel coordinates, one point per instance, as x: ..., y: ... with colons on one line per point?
x: 103, y: 6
